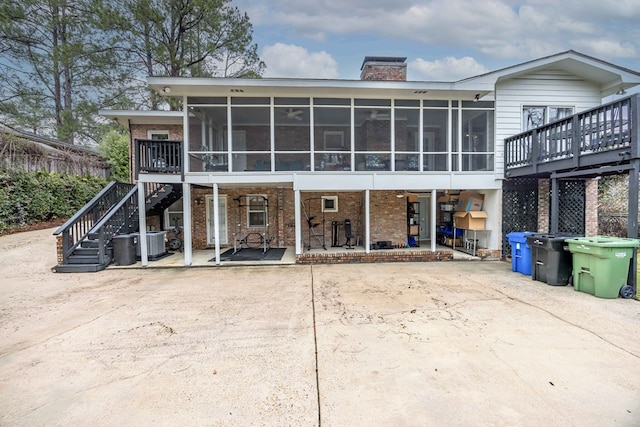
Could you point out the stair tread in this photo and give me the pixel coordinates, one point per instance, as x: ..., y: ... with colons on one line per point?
x: 79, y: 268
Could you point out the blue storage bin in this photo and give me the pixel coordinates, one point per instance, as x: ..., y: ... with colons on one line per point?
x: 520, y: 252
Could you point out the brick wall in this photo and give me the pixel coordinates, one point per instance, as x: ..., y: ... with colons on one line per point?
x: 384, y: 72
x: 388, y: 216
x: 59, y: 254
x: 544, y: 188
x: 373, y: 256
x: 591, y: 207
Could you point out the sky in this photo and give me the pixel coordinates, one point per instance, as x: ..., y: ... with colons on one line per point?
x: 443, y: 40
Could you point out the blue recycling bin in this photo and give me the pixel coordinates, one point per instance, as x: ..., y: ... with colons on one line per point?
x: 520, y: 252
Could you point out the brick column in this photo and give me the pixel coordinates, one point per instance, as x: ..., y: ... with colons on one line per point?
x: 59, y: 254
x: 544, y: 186
x: 591, y: 207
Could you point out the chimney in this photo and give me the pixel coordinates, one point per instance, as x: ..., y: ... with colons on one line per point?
x: 384, y: 68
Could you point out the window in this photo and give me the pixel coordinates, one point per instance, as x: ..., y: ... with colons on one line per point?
x: 333, y: 140
x: 329, y: 203
x: 536, y: 116
x: 158, y: 135
x: 256, y: 210
x: 173, y: 215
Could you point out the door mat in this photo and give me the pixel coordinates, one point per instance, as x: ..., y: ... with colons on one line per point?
x: 251, y: 254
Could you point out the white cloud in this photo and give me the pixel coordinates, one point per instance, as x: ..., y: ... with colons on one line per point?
x: 448, y: 69
x: 511, y: 30
x: 286, y: 60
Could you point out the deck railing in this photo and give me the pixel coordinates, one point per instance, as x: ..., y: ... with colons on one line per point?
x: 609, y: 127
x: 157, y: 156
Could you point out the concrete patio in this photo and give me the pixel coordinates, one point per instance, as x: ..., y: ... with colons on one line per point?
x: 411, y: 344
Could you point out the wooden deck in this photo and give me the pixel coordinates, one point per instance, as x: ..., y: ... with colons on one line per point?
x: 597, y: 141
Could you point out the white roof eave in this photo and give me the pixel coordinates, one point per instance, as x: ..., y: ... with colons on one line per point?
x: 315, y: 87
x: 148, y: 117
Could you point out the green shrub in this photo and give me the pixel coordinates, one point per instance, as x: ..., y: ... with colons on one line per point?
x: 32, y: 197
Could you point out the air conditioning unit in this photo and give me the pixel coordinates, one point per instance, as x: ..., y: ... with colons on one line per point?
x: 155, y: 243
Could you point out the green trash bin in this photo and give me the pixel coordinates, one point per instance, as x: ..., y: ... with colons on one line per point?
x: 601, y: 264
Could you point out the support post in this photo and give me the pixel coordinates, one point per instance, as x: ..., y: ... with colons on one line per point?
x: 367, y: 222
x: 555, y: 205
x: 216, y: 223
x: 298, y: 222
x: 142, y: 225
x: 186, y: 220
x: 632, y: 220
x: 432, y: 222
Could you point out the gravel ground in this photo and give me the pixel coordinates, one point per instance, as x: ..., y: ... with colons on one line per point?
x: 448, y: 343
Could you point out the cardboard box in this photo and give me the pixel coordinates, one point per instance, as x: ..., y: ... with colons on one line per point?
x: 469, y: 201
x: 448, y: 198
x: 412, y: 198
x: 414, y: 230
x: 470, y: 220
x: 448, y: 241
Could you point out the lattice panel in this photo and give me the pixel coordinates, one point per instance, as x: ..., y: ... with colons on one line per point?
x: 519, y: 208
x: 571, y: 206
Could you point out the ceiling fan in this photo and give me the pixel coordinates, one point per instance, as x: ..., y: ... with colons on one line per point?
x: 290, y: 113
x: 376, y: 114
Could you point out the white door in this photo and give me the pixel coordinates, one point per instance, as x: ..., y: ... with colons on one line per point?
x: 222, y: 220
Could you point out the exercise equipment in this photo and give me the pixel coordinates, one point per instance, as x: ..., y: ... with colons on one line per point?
x: 253, y: 239
x: 312, y: 224
x: 335, y: 234
x: 348, y: 234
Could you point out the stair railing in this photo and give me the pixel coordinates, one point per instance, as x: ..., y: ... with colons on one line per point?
x: 122, y: 219
x: 77, y: 229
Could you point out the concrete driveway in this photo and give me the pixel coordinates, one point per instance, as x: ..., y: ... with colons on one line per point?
x: 449, y: 343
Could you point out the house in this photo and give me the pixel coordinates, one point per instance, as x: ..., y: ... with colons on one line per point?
x: 375, y: 163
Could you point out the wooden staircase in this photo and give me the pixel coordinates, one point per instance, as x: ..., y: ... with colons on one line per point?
x: 87, y: 237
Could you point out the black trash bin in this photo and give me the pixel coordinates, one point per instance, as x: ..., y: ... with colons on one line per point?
x: 551, y: 261
x: 124, y: 249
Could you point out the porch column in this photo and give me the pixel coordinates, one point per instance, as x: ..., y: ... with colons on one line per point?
x: 555, y: 205
x: 432, y: 222
x: 216, y: 223
x: 186, y: 214
x: 367, y: 222
x: 298, y: 222
x: 142, y: 225
x: 632, y: 218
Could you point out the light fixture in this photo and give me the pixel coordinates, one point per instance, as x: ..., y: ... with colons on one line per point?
x: 199, y: 201
x: 400, y: 196
x: 476, y: 98
x: 166, y: 90
x: 621, y: 91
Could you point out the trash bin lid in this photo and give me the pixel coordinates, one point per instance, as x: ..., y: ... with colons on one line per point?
x: 606, y: 241
x: 554, y: 241
x: 518, y: 236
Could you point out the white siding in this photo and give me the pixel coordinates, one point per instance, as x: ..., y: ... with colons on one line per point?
x: 546, y: 87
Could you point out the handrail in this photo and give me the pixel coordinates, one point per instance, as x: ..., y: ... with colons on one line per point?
x: 80, y: 226
x: 604, y: 128
x: 124, y: 202
x: 90, y: 204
